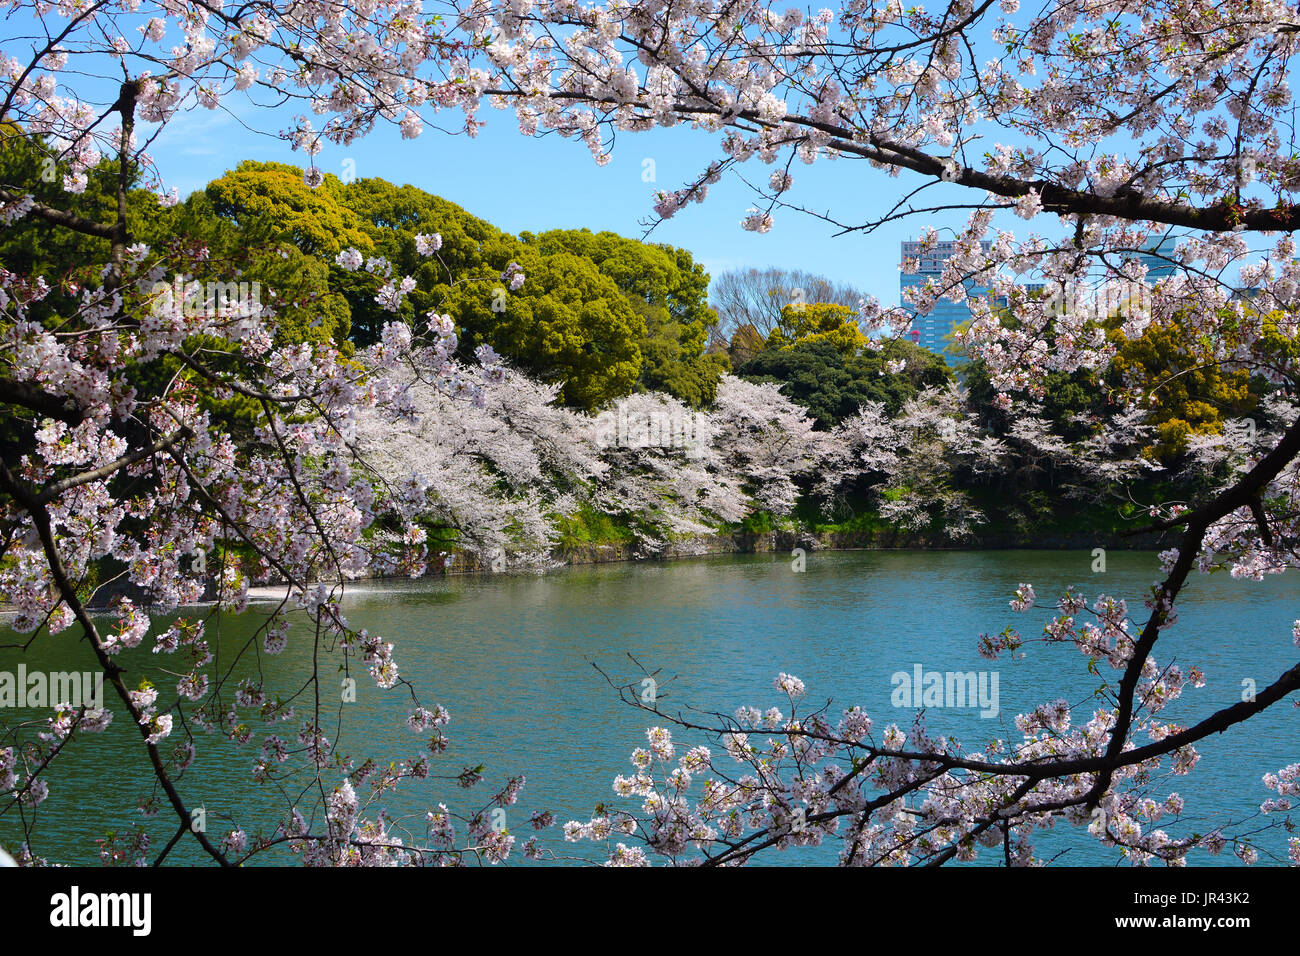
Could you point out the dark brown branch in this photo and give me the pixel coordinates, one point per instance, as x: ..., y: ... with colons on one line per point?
x: 1130, y: 204
x: 1257, y: 509
x: 50, y: 492
x: 40, y: 401
x: 61, y: 217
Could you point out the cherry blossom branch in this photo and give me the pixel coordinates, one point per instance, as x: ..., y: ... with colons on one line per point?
x: 41, y: 521
x: 54, y: 490
x: 61, y: 217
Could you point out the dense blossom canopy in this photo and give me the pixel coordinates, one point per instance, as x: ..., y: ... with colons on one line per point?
x: 1104, y: 126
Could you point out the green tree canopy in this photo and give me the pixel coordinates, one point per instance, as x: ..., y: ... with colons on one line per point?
x: 817, y: 375
x: 568, y: 323
x: 270, y: 202
x: 670, y: 291
x: 602, y: 314
x: 1187, y: 388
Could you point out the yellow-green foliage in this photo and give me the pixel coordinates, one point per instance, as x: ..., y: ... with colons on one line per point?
x: 270, y: 201
x: 1189, y: 392
x: 818, y: 322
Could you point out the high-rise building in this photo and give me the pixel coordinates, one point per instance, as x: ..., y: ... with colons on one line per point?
x: 1158, y: 258
x: 930, y: 331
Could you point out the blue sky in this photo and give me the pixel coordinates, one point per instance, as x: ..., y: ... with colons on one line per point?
x: 535, y: 183
x: 523, y: 183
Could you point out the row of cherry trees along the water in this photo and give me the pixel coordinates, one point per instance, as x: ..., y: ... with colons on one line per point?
x: 1102, y: 125
x: 507, y: 475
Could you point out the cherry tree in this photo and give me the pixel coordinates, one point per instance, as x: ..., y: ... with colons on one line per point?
x: 503, y: 471
x: 665, y: 475
x: 938, y: 438
x: 767, y: 440
x: 497, y: 471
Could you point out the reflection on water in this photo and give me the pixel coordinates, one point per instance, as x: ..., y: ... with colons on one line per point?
x: 512, y: 659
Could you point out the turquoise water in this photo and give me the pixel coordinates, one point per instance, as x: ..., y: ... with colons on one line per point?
x: 511, y: 657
